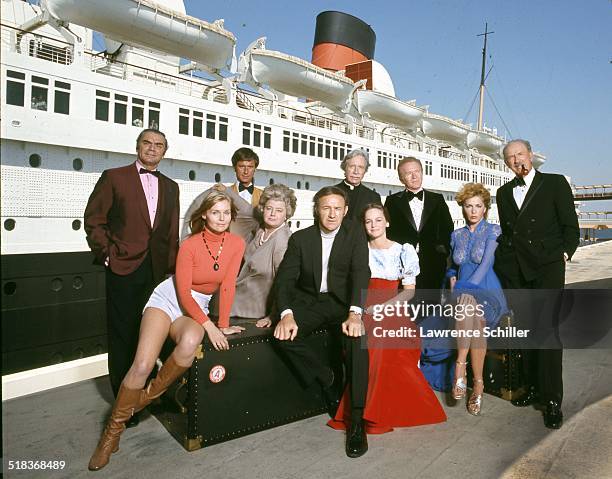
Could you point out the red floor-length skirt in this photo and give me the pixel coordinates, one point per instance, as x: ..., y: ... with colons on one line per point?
x: 398, y: 393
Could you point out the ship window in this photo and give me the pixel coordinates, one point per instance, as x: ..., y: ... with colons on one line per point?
x: 222, y: 129
x: 39, y: 97
x: 62, y: 102
x: 320, y: 148
x: 9, y: 224
x: 296, y: 143
x: 286, y: 140
x: 271, y: 181
x: 297, y: 224
x: 197, y: 126
x: 256, y: 135
x: 299, y: 185
x: 267, y: 137
x: 327, y: 149
x: 154, y: 114
x: 217, y: 177
x: 15, y: 89
x: 76, y: 225
x: 35, y: 160
x: 137, y: 112
x: 183, y: 123
x: 101, y: 109
x: 120, y: 115
x: 77, y: 164
x: 192, y: 175
x: 246, y: 135
x: 210, y: 126
x: 307, y: 185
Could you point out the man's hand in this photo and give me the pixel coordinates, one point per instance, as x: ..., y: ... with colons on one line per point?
x: 287, y: 328
x: 353, y: 326
x: 264, y: 322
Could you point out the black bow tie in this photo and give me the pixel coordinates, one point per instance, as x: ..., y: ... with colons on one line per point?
x: 144, y: 171
x: 410, y: 195
x: 519, y: 181
x: 249, y: 188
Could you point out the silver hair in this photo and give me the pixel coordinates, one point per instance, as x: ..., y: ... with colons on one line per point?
x: 525, y: 143
x: 277, y: 192
x: 352, y: 154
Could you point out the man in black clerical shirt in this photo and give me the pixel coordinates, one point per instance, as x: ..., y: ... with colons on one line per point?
x: 355, y: 165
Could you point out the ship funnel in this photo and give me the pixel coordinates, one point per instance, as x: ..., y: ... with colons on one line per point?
x: 341, y: 39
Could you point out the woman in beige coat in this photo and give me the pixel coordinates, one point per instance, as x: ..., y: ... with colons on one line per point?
x: 264, y: 252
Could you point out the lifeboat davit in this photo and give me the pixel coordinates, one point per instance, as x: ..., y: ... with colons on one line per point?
x: 146, y: 24
x: 443, y: 128
x: 484, y: 141
x: 388, y: 109
x: 297, y: 77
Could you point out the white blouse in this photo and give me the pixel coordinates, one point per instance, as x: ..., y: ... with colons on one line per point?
x: 397, y: 262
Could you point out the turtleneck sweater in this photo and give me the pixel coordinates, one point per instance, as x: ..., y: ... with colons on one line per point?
x: 195, y: 270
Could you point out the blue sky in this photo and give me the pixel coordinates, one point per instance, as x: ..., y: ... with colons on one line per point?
x: 551, y: 78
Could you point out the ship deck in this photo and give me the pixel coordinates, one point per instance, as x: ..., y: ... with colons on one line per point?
x: 508, y: 442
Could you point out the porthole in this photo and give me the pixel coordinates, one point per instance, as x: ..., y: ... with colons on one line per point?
x: 192, y: 175
x: 35, y: 160
x: 217, y: 177
x: 299, y: 185
x: 77, y: 282
x: 10, y: 287
x: 76, y: 225
x: 9, y: 224
x: 271, y: 181
x: 289, y: 224
x: 77, y: 164
x: 307, y: 185
x: 298, y: 225
x: 57, y: 284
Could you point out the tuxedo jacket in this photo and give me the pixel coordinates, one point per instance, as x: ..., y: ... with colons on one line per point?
x: 537, y: 234
x: 432, y: 236
x: 254, y: 197
x: 359, y: 198
x: 118, y: 225
x: 299, y: 274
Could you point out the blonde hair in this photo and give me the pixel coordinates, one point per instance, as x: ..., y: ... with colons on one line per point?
x: 278, y: 192
x: 470, y: 190
x: 196, y: 222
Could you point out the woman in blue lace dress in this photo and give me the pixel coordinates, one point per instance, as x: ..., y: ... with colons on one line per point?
x: 473, y: 282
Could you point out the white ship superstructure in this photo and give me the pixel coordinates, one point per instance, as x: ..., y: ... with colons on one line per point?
x: 69, y: 112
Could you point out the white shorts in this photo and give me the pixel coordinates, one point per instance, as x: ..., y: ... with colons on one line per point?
x: 164, y: 298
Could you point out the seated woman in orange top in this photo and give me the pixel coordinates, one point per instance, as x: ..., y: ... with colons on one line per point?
x: 207, y: 261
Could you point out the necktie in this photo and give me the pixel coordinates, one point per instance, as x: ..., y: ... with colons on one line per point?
x: 410, y: 195
x: 519, y: 181
x: 144, y: 171
x: 249, y: 188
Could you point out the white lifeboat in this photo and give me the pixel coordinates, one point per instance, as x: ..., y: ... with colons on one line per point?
x: 147, y: 24
x: 484, y: 141
x: 388, y: 109
x: 443, y: 128
x: 538, y: 159
x: 296, y: 77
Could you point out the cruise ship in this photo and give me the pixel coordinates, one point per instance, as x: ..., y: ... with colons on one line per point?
x: 69, y: 112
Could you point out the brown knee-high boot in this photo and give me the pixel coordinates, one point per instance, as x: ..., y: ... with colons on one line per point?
x: 125, y: 406
x: 167, y: 374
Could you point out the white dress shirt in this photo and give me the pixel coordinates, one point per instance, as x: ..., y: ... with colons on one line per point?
x: 416, y: 206
x: 244, y: 194
x: 519, y: 192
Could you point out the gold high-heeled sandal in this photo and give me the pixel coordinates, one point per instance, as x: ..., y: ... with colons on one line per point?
x: 460, y: 384
x: 475, y: 402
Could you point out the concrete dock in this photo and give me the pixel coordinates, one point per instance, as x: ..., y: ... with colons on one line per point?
x: 506, y: 442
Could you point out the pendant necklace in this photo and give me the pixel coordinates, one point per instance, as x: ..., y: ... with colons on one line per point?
x: 215, y: 258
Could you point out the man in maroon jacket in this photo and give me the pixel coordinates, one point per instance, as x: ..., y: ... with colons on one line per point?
x: 131, y: 221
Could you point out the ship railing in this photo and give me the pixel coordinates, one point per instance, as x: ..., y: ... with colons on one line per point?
x: 36, y: 45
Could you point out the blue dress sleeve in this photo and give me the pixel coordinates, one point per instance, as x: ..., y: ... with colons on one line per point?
x: 410, y: 264
x: 453, y: 269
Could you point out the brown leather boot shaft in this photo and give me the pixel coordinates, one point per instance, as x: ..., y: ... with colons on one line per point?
x: 125, y: 404
x: 169, y: 372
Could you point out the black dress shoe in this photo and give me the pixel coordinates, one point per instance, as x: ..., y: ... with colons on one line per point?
x: 133, y: 421
x: 526, y: 399
x: 356, y: 440
x: 553, y: 417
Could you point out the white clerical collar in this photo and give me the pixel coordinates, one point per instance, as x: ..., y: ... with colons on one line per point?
x: 330, y: 235
x: 351, y: 187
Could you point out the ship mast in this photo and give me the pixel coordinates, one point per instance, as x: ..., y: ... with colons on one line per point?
x: 482, y: 76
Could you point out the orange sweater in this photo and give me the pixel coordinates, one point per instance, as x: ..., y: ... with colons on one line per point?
x: 194, y: 270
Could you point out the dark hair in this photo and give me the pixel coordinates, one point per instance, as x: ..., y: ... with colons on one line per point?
x: 244, y: 153
x: 327, y: 191
x: 374, y: 206
x: 196, y: 222
x: 409, y: 159
x: 152, y: 130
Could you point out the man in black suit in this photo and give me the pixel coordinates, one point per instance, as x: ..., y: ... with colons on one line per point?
x: 320, y: 282
x: 421, y: 218
x: 355, y: 165
x: 539, y: 234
